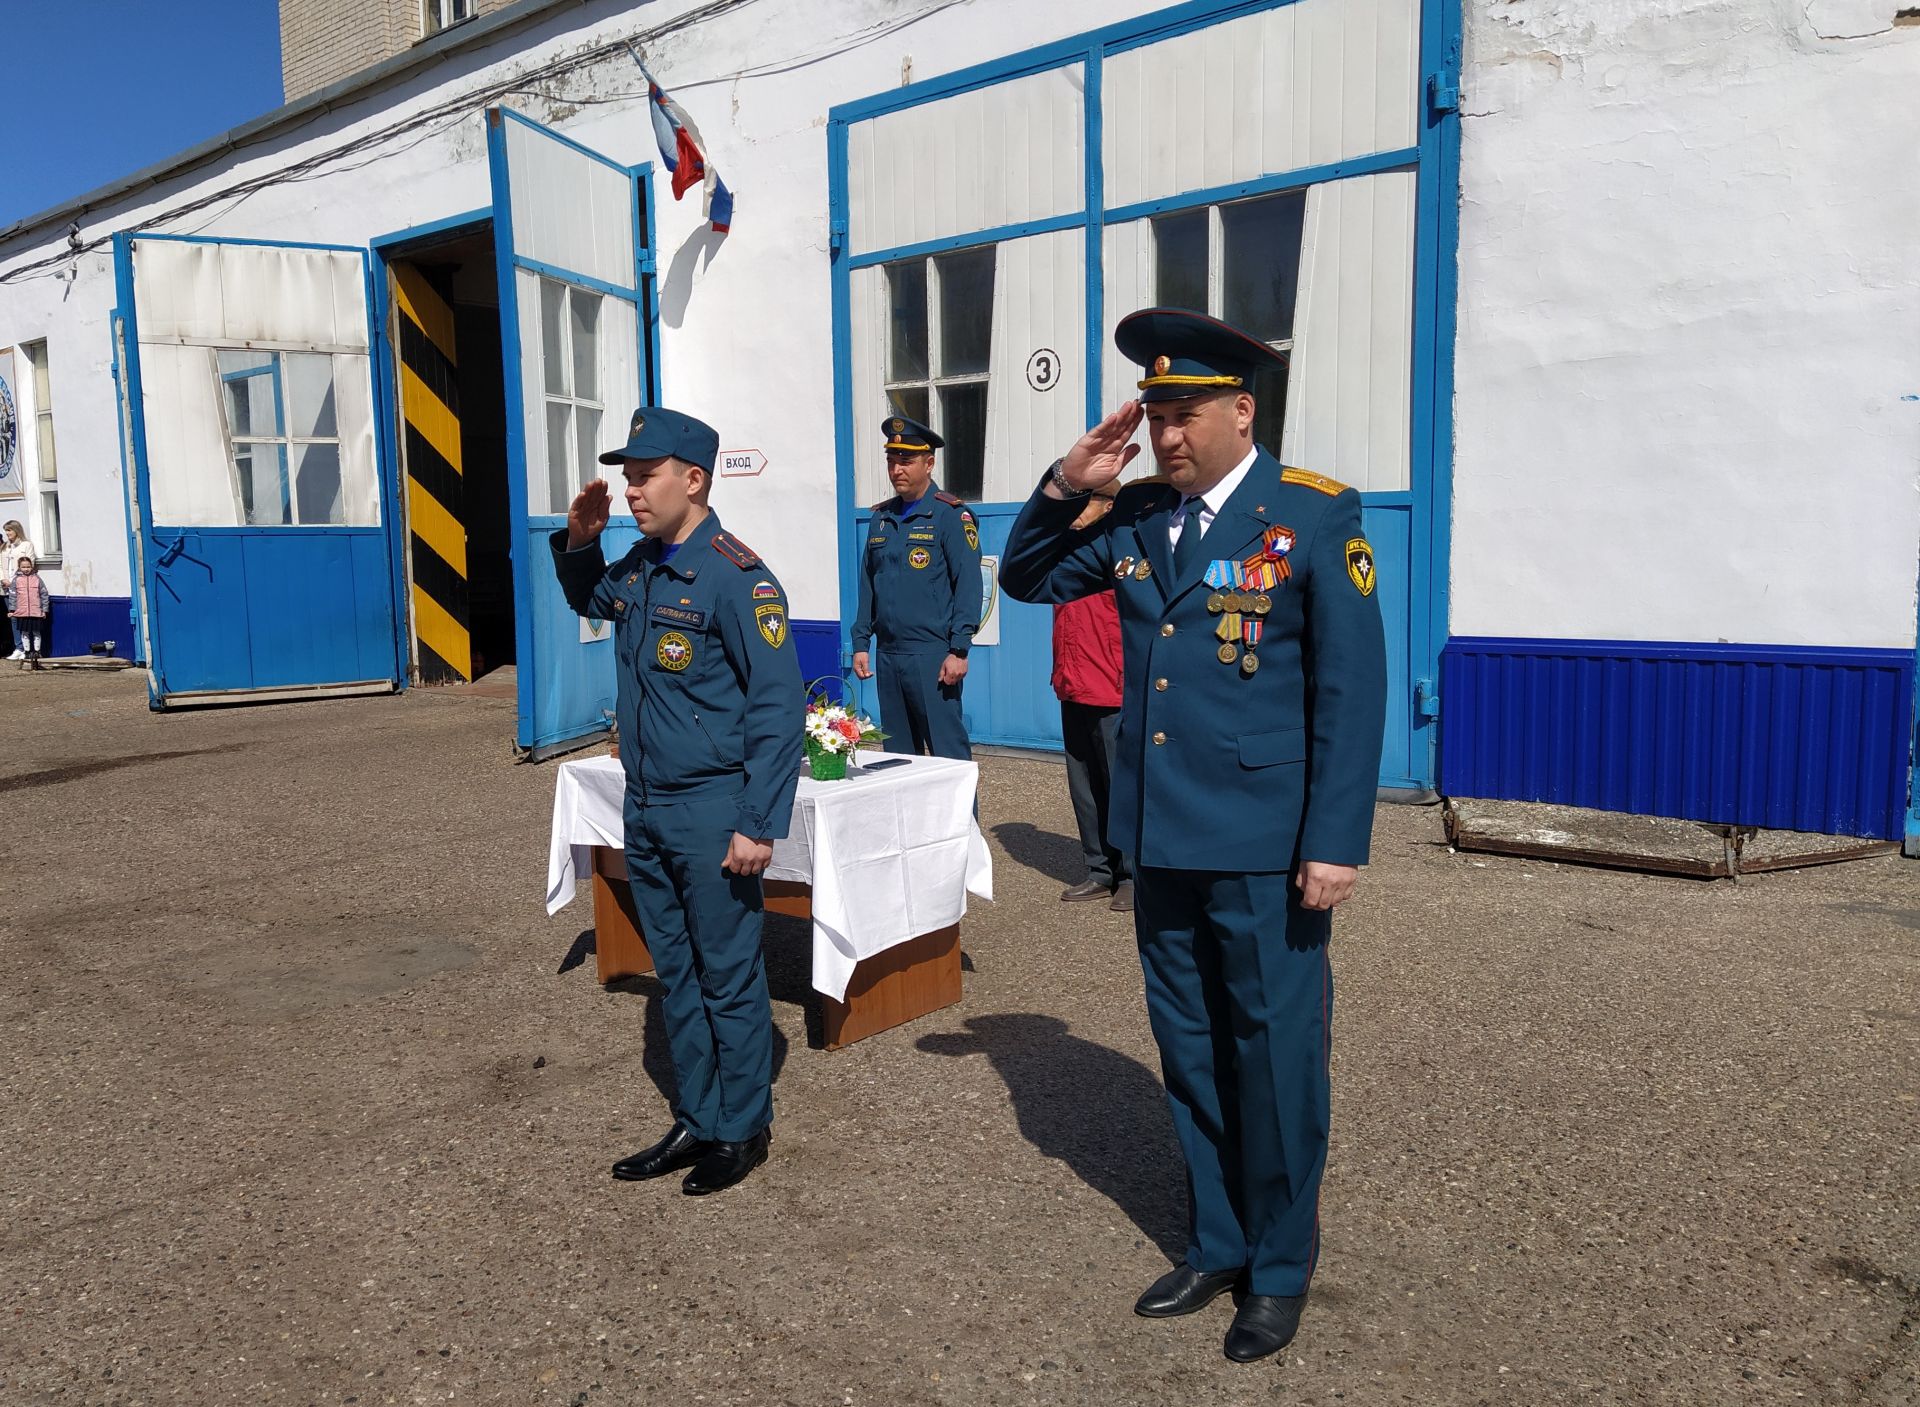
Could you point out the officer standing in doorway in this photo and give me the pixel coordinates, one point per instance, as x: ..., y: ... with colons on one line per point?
x: 920, y: 595
x: 1244, y: 778
x: 709, y: 708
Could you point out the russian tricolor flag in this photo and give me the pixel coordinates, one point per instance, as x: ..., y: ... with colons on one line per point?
x: 682, y: 151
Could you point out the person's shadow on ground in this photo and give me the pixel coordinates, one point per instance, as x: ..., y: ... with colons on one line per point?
x: 1101, y: 1113
x: 1056, y: 856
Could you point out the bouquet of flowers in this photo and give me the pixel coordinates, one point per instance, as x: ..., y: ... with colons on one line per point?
x: 833, y: 733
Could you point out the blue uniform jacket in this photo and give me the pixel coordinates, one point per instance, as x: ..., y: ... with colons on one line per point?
x: 710, y: 699
x: 1217, y: 769
x: 920, y: 577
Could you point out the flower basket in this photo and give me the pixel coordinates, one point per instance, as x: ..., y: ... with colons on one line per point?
x: 826, y: 766
x: 833, y: 734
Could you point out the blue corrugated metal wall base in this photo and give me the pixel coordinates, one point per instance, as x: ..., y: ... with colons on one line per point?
x: 1785, y: 737
x: 78, y: 623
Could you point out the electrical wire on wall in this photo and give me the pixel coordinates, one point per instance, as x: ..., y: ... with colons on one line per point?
x: 423, y: 126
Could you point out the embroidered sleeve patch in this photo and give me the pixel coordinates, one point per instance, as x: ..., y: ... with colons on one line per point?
x: 972, y: 532
x: 772, y: 620
x: 1360, y: 564
x: 1306, y: 478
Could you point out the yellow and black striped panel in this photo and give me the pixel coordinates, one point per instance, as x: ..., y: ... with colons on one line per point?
x: 436, y: 500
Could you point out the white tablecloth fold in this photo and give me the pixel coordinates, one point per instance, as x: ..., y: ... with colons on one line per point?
x: 891, y: 854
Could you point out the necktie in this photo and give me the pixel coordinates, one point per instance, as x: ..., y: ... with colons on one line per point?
x: 1187, y: 550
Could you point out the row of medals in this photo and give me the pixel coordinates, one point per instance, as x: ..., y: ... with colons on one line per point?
x: 1240, y: 596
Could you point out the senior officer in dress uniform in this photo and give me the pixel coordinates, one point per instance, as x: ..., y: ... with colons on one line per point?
x: 920, y: 594
x: 709, y: 707
x: 1249, y: 752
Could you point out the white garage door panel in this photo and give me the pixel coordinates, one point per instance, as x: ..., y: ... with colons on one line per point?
x: 1302, y: 85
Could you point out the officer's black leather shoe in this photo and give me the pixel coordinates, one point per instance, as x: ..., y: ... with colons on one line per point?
x: 677, y: 1150
x: 1182, y: 1290
x: 725, y: 1164
x: 1086, y: 889
x: 1263, y: 1324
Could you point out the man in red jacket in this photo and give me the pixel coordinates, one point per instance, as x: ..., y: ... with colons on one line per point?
x: 1086, y: 676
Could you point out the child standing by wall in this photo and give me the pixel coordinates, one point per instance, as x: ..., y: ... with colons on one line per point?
x: 30, y: 611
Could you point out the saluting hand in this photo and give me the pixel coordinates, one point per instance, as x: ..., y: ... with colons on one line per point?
x: 587, y: 517
x: 1323, y: 886
x: 1103, y: 453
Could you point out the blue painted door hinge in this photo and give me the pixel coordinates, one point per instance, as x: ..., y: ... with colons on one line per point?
x: 647, y: 265
x: 1443, y: 95
x: 837, y: 232
x: 1426, y: 699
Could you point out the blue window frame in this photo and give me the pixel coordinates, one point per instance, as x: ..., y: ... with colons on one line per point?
x: 1421, y: 512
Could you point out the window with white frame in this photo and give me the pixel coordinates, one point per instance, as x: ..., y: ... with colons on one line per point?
x: 1239, y: 262
x: 444, y: 14
x: 283, y: 437
x: 939, y: 348
x: 570, y: 332
x: 47, y: 478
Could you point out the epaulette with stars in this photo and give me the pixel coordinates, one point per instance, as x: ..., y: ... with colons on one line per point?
x: 736, y: 552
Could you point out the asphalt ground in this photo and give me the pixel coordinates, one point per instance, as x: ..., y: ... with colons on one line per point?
x: 304, y: 1099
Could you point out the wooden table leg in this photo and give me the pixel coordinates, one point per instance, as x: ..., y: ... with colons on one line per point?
x: 891, y: 988
x: 619, y: 950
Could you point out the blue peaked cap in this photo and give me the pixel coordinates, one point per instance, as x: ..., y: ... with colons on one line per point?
x: 655, y: 432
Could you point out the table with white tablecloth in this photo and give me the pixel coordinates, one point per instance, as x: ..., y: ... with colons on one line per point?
x: 890, y: 854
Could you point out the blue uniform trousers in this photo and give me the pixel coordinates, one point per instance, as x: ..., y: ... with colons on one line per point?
x: 703, y: 927
x: 1240, y: 997
x: 918, y: 712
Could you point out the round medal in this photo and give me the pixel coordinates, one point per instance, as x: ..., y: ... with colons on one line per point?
x: 1236, y: 601
x: 1262, y: 604
x: 1216, y: 603
x: 1249, y: 662
x: 1143, y: 571
x: 1228, y: 651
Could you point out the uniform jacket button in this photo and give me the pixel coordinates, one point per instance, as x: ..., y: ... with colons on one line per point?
x: 1159, y: 738
x: 1160, y: 685
x: 1167, y: 629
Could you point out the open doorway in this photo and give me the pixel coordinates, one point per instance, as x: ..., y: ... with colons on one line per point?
x: 452, y: 432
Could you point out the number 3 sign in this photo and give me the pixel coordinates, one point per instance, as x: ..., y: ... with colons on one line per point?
x: 1043, y: 369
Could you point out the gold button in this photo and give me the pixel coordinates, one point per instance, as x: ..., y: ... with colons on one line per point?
x: 1167, y: 629
x: 1160, y: 686
x: 1159, y: 738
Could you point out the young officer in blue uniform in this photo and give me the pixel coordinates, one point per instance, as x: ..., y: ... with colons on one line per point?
x: 920, y: 594
x: 710, y: 711
x: 1249, y: 753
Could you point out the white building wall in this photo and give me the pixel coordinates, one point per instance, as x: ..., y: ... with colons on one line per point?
x: 1688, y: 368
x: 746, y: 319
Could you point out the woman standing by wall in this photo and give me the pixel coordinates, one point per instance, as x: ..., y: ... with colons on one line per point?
x: 12, y: 550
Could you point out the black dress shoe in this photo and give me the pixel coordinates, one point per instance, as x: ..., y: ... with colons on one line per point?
x: 1182, y: 1290
x: 1263, y: 1324
x: 1086, y: 889
x: 726, y: 1164
x: 1122, y: 897
x: 679, y: 1149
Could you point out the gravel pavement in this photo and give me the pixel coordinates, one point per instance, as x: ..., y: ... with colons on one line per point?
x: 305, y: 1100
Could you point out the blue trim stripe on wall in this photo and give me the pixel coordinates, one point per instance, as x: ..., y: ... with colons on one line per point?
x: 1782, y: 737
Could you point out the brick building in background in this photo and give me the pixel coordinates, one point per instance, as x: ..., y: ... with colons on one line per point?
x: 323, y: 41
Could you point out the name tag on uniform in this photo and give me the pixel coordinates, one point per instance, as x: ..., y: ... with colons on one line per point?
x: 679, y: 615
x: 876, y: 540
x: 920, y: 537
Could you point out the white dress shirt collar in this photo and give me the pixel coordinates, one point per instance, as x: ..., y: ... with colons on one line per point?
x: 1214, y: 499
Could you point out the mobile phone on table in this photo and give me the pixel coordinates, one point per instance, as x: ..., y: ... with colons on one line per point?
x: 890, y: 762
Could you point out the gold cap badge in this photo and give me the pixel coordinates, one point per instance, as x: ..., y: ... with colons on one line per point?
x: 896, y: 425
x: 639, y: 423
x: 1162, y: 365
